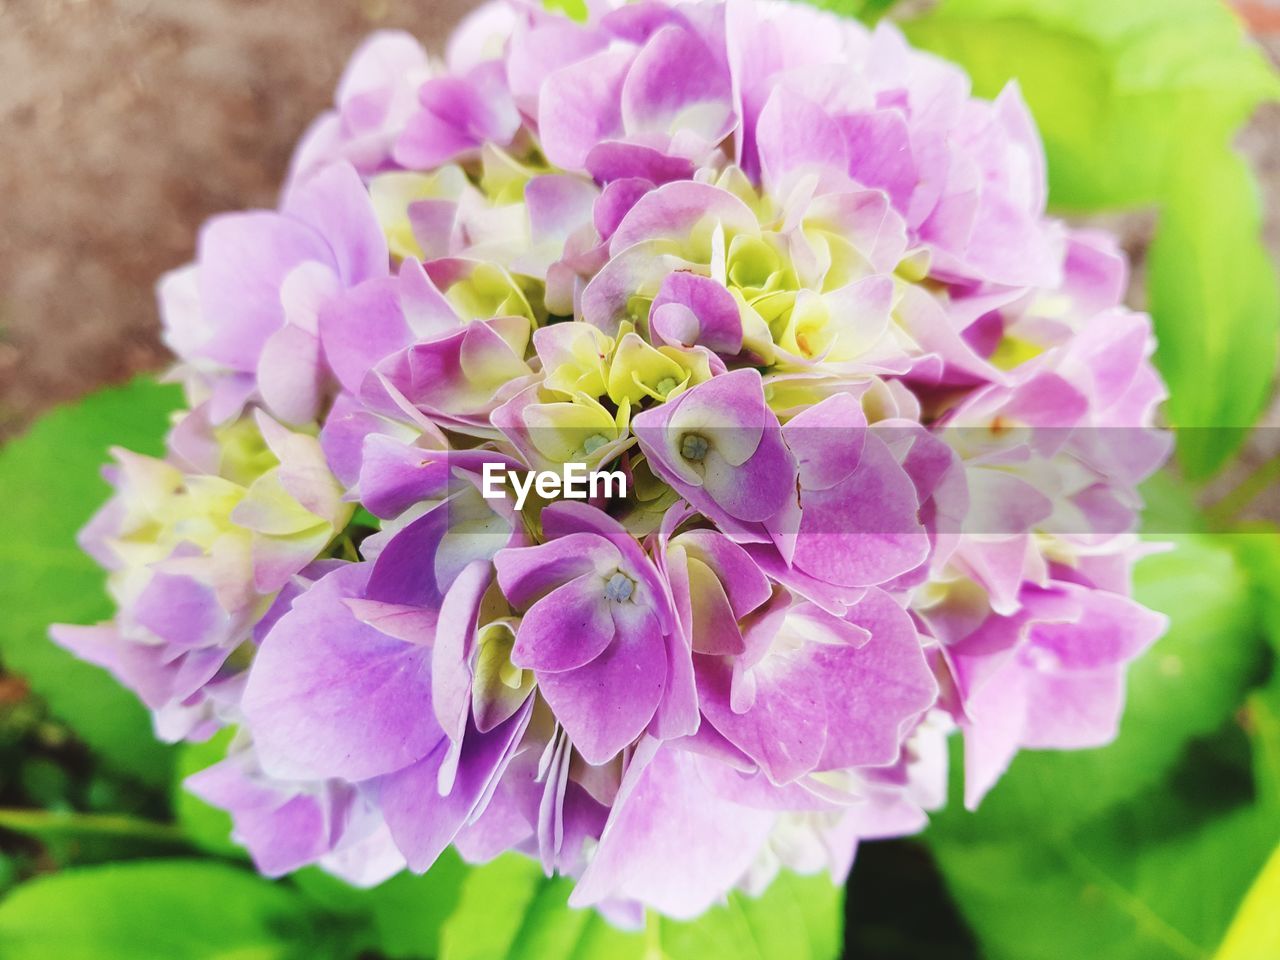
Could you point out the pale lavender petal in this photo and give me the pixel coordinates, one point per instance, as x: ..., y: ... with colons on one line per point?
x: 331, y: 697
x: 580, y: 105
x: 670, y: 841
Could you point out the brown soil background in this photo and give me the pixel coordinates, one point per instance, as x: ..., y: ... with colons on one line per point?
x: 125, y: 123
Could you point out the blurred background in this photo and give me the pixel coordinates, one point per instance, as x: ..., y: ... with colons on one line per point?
x: 123, y: 125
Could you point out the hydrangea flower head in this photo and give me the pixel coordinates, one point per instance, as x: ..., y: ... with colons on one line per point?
x: 876, y: 423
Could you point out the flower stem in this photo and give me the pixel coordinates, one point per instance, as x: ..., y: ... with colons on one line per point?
x: 97, y: 824
x: 1228, y: 509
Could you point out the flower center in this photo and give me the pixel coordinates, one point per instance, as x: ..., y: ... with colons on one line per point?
x: 594, y: 443
x: 666, y: 385
x: 619, y: 587
x: 694, y: 446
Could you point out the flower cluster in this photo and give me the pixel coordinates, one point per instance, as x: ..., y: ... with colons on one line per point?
x: 880, y: 423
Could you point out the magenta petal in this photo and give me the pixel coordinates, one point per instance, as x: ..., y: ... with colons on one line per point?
x: 526, y: 574
x: 795, y: 134
x: 880, y: 154
x: 395, y: 475
x: 451, y: 673
x: 698, y: 310
x: 290, y: 376
x: 991, y: 740
x: 1076, y: 712
x: 785, y: 729
x: 759, y: 488
x: 674, y: 210
x: 616, y: 160
x: 674, y: 73
x: 827, y: 440
x: 569, y: 627
x: 745, y: 584
x: 405, y: 571
x: 606, y: 704
x: 670, y: 840
x: 360, y: 327
x: 422, y: 822
x: 180, y: 610
x: 882, y: 686
x: 282, y: 830
x: 865, y: 530
x: 1112, y: 630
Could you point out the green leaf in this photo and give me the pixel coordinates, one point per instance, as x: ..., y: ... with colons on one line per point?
x: 401, y: 918
x: 1214, y: 295
x: 495, y: 899
x: 208, y: 827
x: 574, y: 9
x: 1258, y: 547
x: 1185, y: 687
x: 51, y: 484
x: 1255, y: 932
x: 159, y: 910
x: 1149, y: 883
x: 1169, y: 506
x: 1262, y: 722
x: 510, y: 911
x: 796, y: 917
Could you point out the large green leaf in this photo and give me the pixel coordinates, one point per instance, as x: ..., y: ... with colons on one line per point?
x: 1157, y: 878
x: 400, y: 918
x: 1262, y: 721
x: 1255, y: 932
x: 1187, y: 686
x: 510, y: 911
x: 1150, y: 882
x: 797, y: 917
x: 161, y: 910
x: 51, y: 486
x: 1213, y: 294
x: 1137, y: 103
x: 1258, y: 547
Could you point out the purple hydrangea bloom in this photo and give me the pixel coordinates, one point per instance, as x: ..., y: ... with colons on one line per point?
x: 878, y: 424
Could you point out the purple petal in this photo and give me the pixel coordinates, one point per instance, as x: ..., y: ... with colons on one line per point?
x: 526, y: 574
x: 335, y: 203
x: 329, y: 696
x: 606, y: 704
x: 423, y: 822
x: 690, y: 309
x: 569, y: 627
x: 360, y: 327
x: 580, y: 105
x: 395, y: 475
x: 882, y: 686
x: 795, y: 134
x: 244, y: 259
x: 864, y: 530
x: 670, y: 841
x: 674, y: 84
